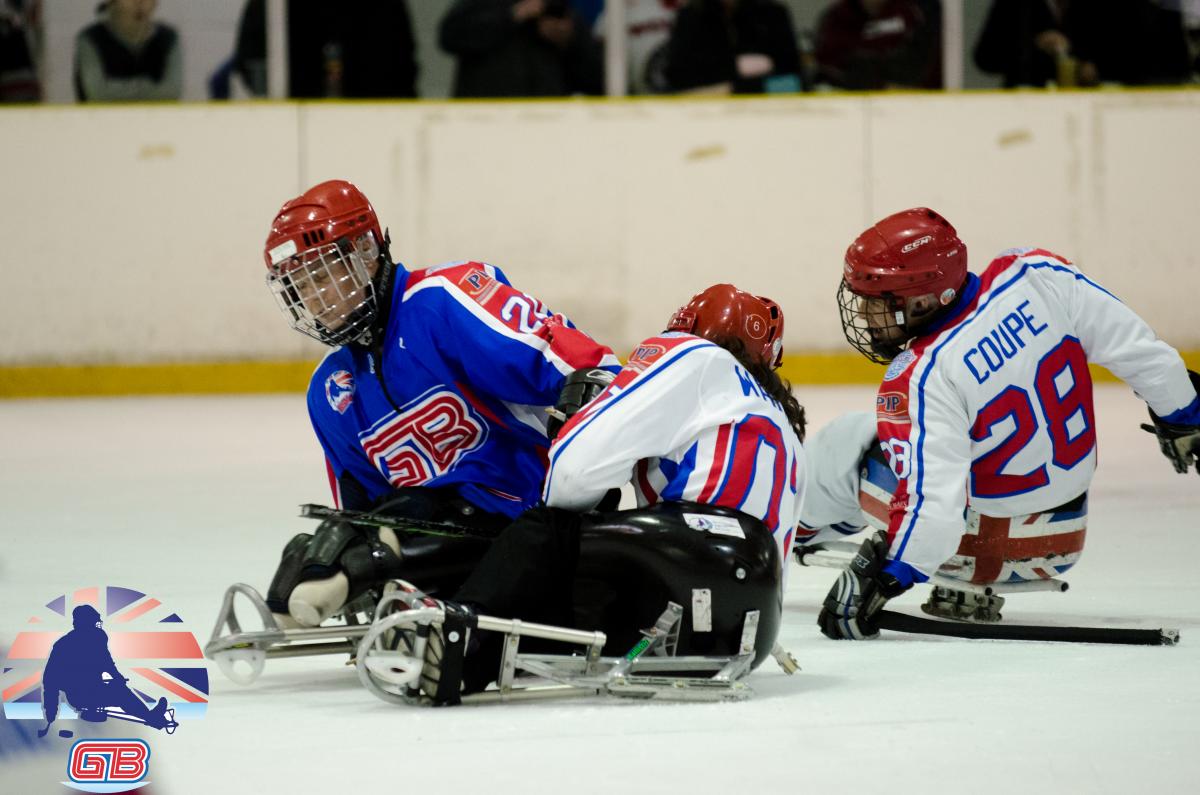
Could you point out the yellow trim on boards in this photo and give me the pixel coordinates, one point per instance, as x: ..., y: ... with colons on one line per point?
x: 233, y: 378
x: 600, y: 101
x: 210, y: 378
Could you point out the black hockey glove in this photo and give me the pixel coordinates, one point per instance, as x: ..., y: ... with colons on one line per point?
x: 579, y: 389
x: 1179, y: 443
x: 859, y: 594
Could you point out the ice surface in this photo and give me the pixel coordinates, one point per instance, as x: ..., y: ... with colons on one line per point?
x: 180, y: 497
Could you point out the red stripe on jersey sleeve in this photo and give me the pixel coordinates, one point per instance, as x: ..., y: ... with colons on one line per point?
x: 718, y: 464
x: 334, y: 487
x: 643, y: 479
x: 518, y: 311
x: 478, y: 404
x: 570, y: 344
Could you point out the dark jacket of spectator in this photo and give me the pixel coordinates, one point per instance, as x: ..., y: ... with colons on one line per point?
x: 18, y: 73
x: 348, y: 48
x: 499, y: 56
x: 1135, y: 42
x: 1127, y: 41
x: 111, y: 68
x: 878, y: 44
x: 709, y: 35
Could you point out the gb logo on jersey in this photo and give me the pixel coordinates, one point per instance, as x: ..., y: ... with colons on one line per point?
x: 339, y: 391
x: 424, y: 440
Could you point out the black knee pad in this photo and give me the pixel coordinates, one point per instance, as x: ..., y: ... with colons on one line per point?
x: 311, y: 557
x: 328, y: 545
x: 369, y: 564
x: 287, y: 576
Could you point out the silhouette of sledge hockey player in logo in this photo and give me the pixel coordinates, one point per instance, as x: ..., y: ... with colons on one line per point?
x: 78, y: 663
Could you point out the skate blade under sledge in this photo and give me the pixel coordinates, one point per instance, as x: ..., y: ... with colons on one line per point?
x: 241, y: 655
x: 645, y: 672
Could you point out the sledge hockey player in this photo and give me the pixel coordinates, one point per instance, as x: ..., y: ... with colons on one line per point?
x: 712, y: 438
x: 986, y: 404
x: 77, y: 663
x: 432, y: 404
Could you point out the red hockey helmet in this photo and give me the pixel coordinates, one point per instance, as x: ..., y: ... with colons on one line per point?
x: 323, y: 253
x: 896, y: 275
x: 723, y: 312
x: 914, y: 252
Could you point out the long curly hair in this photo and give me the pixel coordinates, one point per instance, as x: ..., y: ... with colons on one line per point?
x: 778, y: 388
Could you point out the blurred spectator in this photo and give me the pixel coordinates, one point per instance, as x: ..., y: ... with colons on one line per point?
x: 19, y: 24
x: 739, y: 46
x: 127, y: 56
x: 521, y: 48
x: 648, y: 24
x: 347, y: 48
x: 1071, y: 42
x: 1191, y: 24
x: 588, y: 11
x: 878, y: 44
x: 1024, y: 40
x: 1135, y: 42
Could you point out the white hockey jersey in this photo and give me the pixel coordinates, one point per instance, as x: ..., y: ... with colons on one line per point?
x: 994, y: 405
x: 832, y: 507
x: 685, y: 422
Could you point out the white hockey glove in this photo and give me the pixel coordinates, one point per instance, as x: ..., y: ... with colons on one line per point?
x: 1179, y: 443
x: 859, y: 594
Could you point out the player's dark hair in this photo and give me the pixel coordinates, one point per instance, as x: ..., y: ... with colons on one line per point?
x: 779, y: 389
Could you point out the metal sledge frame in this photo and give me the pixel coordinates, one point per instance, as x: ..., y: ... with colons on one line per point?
x: 645, y: 672
x: 838, y: 554
x: 274, y: 641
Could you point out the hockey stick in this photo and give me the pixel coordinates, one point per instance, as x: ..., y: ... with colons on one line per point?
x: 422, y: 526
x: 900, y: 622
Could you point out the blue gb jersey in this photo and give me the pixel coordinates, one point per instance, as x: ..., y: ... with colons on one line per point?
x: 457, y: 394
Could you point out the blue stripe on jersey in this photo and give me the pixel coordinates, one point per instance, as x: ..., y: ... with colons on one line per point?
x: 880, y: 475
x: 642, y: 378
x: 1188, y: 415
x: 1064, y: 269
x: 929, y: 369
x: 677, y: 475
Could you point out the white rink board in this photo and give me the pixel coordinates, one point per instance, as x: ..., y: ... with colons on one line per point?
x: 135, y: 234
x: 903, y: 714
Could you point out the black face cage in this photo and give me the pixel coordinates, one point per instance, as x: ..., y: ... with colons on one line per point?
x: 881, y: 341
x: 328, y: 293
